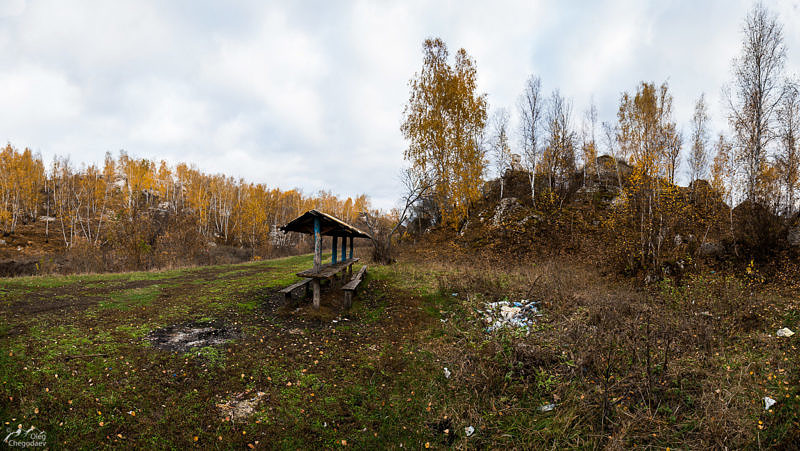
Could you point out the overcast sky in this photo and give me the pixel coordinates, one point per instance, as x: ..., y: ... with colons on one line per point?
x: 310, y: 94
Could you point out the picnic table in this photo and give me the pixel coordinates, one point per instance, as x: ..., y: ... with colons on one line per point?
x: 329, y: 270
x: 322, y: 224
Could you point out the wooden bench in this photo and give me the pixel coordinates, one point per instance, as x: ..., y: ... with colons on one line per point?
x: 351, y: 286
x: 287, y: 292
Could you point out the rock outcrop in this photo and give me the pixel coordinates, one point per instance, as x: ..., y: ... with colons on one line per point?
x: 505, y: 208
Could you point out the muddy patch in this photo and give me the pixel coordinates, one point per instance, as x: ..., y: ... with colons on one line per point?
x: 241, y: 406
x: 196, y: 334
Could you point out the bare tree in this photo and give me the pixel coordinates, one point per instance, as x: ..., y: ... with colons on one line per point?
x: 559, y: 153
x: 415, y: 186
x: 698, y: 156
x: 673, y: 146
x: 589, y: 145
x: 610, y: 133
x: 530, y: 110
x: 787, y: 159
x: 501, y: 150
x: 757, y: 91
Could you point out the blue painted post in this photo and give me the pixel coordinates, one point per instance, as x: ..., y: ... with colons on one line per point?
x: 344, y: 248
x: 335, y: 240
x: 317, y: 246
x: 351, y: 247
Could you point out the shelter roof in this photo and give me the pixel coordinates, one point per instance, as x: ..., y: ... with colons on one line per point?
x: 329, y: 225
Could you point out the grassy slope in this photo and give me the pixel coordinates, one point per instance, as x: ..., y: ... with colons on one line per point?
x: 375, y: 380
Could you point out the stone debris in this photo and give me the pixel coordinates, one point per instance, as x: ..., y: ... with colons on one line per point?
x: 241, y: 406
x: 501, y: 314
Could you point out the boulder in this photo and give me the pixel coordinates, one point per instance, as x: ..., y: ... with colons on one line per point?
x: 505, y: 208
x: 516, y: 162
x: 793, y: 237
x: 711, y: 249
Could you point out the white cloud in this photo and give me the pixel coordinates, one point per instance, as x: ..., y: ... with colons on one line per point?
x: 12, y: 8
x: 36, y: 100
x: 310, y: 95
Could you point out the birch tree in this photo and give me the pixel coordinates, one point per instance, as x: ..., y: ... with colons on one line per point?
x: 755, y: 95
x: 698, y: 155
x: 531, y: 106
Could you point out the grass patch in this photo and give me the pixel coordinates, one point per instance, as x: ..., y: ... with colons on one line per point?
x: 128, y: 299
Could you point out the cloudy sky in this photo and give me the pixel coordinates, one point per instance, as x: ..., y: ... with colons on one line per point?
x: 310, y: 94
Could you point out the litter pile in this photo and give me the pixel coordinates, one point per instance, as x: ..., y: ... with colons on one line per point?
x: 518, y: 315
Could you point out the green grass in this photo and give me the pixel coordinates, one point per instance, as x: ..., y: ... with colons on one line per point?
x: 128, y: 299
x: 73, y: 369
x: 373, y: 378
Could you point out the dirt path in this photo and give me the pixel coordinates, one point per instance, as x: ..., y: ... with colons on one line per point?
x: 82, y: 294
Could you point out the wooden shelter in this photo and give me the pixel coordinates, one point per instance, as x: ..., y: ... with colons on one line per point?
x: 322, y: 224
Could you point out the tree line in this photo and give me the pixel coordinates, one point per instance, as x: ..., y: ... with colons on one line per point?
x: 150, y: 207
x: 754, y: 165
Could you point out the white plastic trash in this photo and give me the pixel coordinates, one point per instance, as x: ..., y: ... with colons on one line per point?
x: 446, y: 373
x: 469, y: 430
x: 768, y: 402
x: 785, y: 332
x: 547, y: 407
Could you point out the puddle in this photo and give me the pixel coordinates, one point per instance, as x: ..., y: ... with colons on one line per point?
x: 184, y: 337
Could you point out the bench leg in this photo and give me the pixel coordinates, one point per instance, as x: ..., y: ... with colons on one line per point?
x: 350, y: 271
x: 348, y: 299
x: 315, y: 284
x: 307, y: 288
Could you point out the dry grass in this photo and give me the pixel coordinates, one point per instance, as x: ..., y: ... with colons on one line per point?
x: 681, y: 366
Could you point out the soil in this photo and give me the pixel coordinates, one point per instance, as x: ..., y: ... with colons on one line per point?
x: 63, y: 299
x: 194, y: 334
x: 241, y: 405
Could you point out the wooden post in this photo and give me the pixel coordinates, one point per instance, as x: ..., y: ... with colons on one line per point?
x: 315, y: 285
x: 348, y: 299
x: 344, y: 248
x: 317, y: 248
x: 335, y: 241
x: 351, y: 247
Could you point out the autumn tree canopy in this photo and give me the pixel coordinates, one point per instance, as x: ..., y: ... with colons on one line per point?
x: 444, y: 121
x: 142, y: 205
